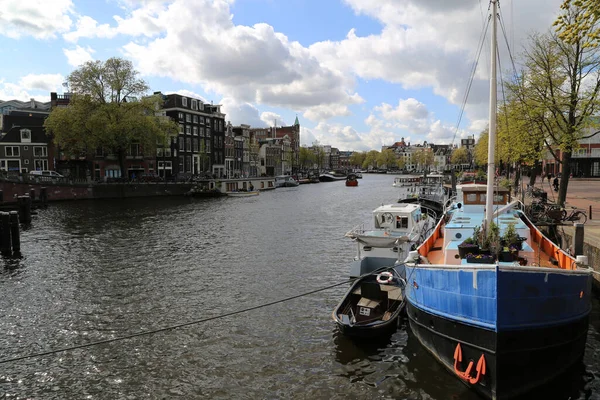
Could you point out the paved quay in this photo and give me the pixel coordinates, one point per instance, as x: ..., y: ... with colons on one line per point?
x: 583, y: 194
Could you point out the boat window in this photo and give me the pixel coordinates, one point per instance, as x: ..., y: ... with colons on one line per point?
x: 471, y: 198
x: 401, y: 222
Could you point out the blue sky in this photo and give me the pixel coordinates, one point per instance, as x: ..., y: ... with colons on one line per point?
x: 358, y: 74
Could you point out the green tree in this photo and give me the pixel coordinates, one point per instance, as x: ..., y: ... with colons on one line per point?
x: 580, y: 19
x: 108, y: 110
x: 423, y: 158
x: 386, y: 158
x: 307, y: 158
x: 357, y: 158
x: 371, y: 159
x: 459, y: 156
x: 559, y: 92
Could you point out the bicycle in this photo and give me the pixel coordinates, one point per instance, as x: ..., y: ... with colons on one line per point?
x: 576, y: 216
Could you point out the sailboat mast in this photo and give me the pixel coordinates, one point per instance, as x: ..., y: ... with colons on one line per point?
x: 489, y: 201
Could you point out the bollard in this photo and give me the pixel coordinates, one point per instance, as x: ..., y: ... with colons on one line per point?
x: 24, y: 209
x: 590, y: 215
x: 32, y: 194
x: 44, y: 195
x: 15, y: 234
x: 578, y: 239
x: 5, y: 234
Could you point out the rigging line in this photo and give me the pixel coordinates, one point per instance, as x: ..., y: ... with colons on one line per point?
x: 473, y: 70
x: 510, y: 54
x: 172, y: 327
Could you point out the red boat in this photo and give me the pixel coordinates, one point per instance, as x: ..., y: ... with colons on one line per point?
x: 351, y: 180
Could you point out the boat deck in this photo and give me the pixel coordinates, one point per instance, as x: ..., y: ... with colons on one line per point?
x: 533, y: 257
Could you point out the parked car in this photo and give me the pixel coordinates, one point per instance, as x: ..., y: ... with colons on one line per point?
x: 45, y: 175
x: 52, y: 174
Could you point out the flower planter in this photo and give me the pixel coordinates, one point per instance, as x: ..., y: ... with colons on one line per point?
x: 464, y: 249
x: 483, y: 260
x: 507, y: 256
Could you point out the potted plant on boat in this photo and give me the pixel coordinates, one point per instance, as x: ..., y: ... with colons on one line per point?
x: 480, y: 258
x: 509, y: 253
x: 512, y: 238
x: 490, y: 239
x: 468, y: 246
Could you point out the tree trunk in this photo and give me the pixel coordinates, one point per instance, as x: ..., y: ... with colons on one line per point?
x: 517, y: 177
x: 535, y: 171
x: 564, y: 180
x: 121, y: 155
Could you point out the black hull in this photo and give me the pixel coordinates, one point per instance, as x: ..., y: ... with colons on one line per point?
x: 516, y: 361
x: 384, y: 329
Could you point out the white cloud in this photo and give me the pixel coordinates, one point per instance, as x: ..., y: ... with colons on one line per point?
x: 241, y: 113
x: 253, y: 64
x: 44, y: 82
x: 78, y: 55
x: 87, y: 27
x: 11, y: 91
x: 41, y: 19
x: 270, y: 118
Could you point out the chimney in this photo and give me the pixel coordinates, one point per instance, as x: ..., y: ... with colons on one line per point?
x: 32, y: 102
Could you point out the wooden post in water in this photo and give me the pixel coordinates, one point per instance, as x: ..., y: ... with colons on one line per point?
x: 15, y: 233
x: 32, y: 194
x: 1, y: 196
x: 24, y: 209
x: 578, y: 239
x: 5, y: 234
x: 44, y: 196
x: 588, y: 215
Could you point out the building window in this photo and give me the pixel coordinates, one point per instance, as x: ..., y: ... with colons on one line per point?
x: 135, y: 150
x: 195, y: 130
x: 188, y: 130
x: 208, y: 146
x: 181, y: 144
x: 188, y: 144
x: 184, y: 101
x: 195, y: 119
x: 188, y: 118
x: 12, y: 151
x: 201, y: 119
x: 181, y: 116
x: 195, y: 145
x: 181, y: 164
x: 25, y: 136
x: 188, y: 163
x: 40, y: 165
x: 202, y: 131
x: 26, y: 161
x: 42, y: 151
x: 194, y: 104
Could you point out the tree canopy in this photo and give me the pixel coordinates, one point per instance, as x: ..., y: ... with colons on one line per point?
x: 108, y: 110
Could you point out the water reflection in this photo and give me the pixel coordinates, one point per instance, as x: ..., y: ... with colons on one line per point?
x: 97, y: 270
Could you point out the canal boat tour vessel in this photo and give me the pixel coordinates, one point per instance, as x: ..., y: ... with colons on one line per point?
x: 512, y: 313
x: 352, y: 180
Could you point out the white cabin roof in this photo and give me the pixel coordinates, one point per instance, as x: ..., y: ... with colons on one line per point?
x: 397, y: 207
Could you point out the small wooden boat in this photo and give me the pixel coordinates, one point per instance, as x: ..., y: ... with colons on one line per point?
x: 243, y: 194
x: 372, y: 305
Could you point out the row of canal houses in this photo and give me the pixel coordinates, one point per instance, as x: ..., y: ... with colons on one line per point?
x: 206, y: 144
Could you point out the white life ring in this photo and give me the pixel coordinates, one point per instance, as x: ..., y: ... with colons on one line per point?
x: 385, y: 277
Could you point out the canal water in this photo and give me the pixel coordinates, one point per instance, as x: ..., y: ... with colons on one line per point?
x: 97, y: 270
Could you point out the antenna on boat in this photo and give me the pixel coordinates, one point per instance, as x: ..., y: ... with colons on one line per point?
x: 489, y: 200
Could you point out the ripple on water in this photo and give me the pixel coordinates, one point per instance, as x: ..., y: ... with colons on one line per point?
x: 95, y: 270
